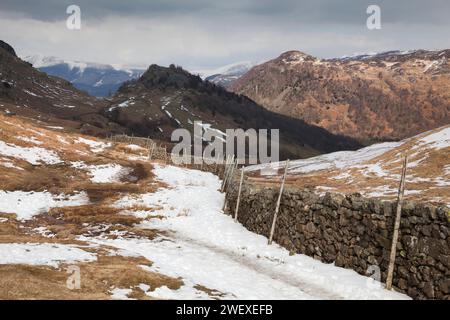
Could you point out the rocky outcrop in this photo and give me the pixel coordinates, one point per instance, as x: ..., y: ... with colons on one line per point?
x: 355, y: 232
x: 8, y: 48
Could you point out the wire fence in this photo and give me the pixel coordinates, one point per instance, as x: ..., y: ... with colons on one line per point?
x: 158, y: 151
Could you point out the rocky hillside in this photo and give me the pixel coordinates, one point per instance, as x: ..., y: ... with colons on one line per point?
x: 371, y: 97
x: 164, y: 99
x: 24, y: 86
x: 25, y: 91
x: 7, y: 48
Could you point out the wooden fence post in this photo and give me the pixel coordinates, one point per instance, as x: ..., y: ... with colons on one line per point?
x: 230, y: 178
x: 229, y: 173
x: 229, y: 183
x: 236, y: 210
x: 226, y: 167
x: 401, y: 192
x: 277, y: 208
x: 225, y: 173
x: 150, y: 155
x: 222, y: 173
x: 215, y: 165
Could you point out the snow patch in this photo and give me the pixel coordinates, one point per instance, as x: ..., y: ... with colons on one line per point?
x: 47, y: 254
x: 437, y: 140
x: 124, y: 104
x: 121, y: 294
x: 33, y: 155
x: 135, y: 147
x: 104, y: 173
x: 31, y: 93
x: 32, y: 140
x: 44, y: 232
x: 340, y: 159
x: 96, y: 146
x: 182, y: 293
x: 28, y: 204
x: 8, y: 164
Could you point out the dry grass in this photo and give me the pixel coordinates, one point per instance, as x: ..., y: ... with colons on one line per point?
x: 99, y: 193
x: 92, y: 214
x: 69, y: 222
x: 57, y: 179
x: 214, y: 294
x: 97, y: 279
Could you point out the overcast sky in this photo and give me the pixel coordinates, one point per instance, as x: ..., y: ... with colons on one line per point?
x: 200, y: 34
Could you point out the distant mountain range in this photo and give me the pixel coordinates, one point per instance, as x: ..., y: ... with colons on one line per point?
x: 103, y: 80
x: 384, y: 96
x: 226, y: 75
x: 99, y: 80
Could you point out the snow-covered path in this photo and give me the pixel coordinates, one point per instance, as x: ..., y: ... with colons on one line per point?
x: 205, y: 247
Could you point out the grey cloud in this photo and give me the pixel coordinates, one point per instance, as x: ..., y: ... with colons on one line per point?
x: 51, y: 10
x: 208, y: 33
x: 300, y: 11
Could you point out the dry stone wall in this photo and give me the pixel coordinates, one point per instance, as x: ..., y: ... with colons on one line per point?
x: 355, y: 232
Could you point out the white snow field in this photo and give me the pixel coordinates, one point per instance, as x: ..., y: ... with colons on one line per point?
x: 95, y: 146
x: 431, y: 140
x: 28, y: 204
x: 33, y: 155
x: 437, y: 140
x: 48, y: 254
x: 340, y: 159
x: 374, y: 171
x: 203, y: 246
x: 103, y: 173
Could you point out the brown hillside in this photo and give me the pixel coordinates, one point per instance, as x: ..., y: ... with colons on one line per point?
x: 386, y: 96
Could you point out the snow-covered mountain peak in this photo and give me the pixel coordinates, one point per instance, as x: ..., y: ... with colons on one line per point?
x: 225, y: 75
x: 229, y: 69
x: 95, y: 78
x: 41, y: 61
